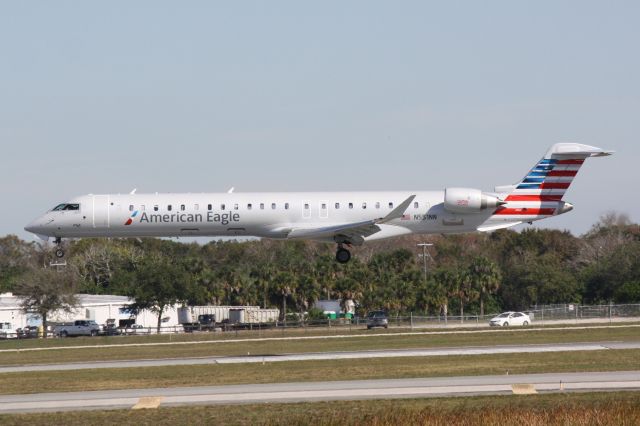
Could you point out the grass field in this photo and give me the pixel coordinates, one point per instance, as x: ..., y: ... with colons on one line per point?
x: 612, y: 408
x: 195, y: 346
x: 299, y: 371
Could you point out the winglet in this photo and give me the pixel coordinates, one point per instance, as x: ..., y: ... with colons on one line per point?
x: 133, y: 191
x: 398, y: 212
x: 230, y: 191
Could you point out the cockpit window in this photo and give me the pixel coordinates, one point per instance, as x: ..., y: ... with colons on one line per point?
x: 66, y: 206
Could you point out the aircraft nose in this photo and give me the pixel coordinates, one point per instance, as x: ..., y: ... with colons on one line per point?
x: 33, y: 226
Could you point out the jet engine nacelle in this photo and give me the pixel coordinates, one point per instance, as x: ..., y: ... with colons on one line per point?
x: 469, y: 200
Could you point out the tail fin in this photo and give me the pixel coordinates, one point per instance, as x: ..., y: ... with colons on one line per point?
x: 550, y: 178
x: 539, y: 194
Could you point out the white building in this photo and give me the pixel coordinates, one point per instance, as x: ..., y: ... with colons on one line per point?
x: 95, y: 307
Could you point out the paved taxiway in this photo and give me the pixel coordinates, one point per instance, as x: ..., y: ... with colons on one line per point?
x: 321, y: 391
x: 263, y: 358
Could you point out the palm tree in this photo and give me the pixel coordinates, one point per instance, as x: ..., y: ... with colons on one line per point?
x: 448, y: 280
x: 486, y: 278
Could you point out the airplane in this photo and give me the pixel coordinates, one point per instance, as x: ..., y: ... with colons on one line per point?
x: 343, y: 218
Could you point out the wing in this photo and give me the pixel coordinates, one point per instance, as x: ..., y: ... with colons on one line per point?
x: 355, y: 232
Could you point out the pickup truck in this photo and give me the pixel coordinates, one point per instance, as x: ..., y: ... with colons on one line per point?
x: 77, y: 328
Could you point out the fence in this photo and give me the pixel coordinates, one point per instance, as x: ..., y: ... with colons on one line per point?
x: 540, y: 316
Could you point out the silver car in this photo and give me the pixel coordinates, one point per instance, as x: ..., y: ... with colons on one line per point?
x: 377, y: 319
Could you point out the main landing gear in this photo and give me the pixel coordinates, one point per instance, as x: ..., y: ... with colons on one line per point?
x: 59, y: 251
x: 342, y: 254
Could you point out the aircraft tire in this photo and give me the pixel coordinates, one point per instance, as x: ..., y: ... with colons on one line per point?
x: 59, y: 253
x: 343, y: 255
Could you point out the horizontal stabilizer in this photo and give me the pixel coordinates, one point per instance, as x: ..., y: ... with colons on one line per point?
x: 576, y: 149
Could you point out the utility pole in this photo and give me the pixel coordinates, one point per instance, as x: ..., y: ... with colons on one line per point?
x: 424, y: 255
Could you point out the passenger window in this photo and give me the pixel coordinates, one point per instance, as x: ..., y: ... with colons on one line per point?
x: 350, y: 205
x: 155, y: 208
x: 142, y: 207
x: 182, y: 207
x: 337, y: 206
x: 209, y: 207
x: 390, y: 205
x: 261, y: 206
x: 415, y: 204
x: 169, y: 207
x: 273, y: 206
x: 377, y: 204
x: 130, y: 207
x: 286, y: 206
x: 249, y: 206
x: 221, y: 206
x: 235, y: 206
x: 364, y: 205
x: 324, y: 206
x: 306, y: 206
x: 196, y: 206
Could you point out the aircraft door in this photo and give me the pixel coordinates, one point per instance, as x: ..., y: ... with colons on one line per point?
x: 100, y: 217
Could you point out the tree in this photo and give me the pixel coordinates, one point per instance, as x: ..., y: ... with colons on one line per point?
x: 464, y: 290
x: 15, y: 258
x: 283, y: 286
x: 447, y: 282
x: 156, y: 283
x: 485, y: 276
x: 46, y: 290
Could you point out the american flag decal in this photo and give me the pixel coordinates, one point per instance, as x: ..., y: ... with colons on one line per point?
x: 406, y: 217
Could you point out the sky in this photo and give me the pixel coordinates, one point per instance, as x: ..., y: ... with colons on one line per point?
x: 200, y: 96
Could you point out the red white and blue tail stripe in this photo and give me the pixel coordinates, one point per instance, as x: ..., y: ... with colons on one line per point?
x: 539, y: 194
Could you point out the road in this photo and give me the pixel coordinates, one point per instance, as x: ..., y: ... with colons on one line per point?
x: 263, y: 358
x: 322, y: 391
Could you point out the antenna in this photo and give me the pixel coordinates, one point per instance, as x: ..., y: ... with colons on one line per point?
x: 230, y: 191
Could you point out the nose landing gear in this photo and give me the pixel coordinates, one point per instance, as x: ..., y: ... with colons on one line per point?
x: 59, y: 251
x: 342, y: 254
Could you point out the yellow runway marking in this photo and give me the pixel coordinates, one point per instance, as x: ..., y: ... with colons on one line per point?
x: 148, y: 402
x: 523, y: 389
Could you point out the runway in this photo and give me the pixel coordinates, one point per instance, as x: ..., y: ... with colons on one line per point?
x: 321, y: 391
x: 264, y: 358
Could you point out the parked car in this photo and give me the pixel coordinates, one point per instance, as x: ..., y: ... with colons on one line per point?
x: 377, y: 319
x: 506, y: 319
x: 136, y: 329
x: 7, y: 331
x: 77, y: 328
x: 28, y: 332
x: 111, y: 330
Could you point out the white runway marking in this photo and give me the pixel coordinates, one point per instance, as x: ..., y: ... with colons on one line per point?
x: 319, y: 356
x: 321, y: 391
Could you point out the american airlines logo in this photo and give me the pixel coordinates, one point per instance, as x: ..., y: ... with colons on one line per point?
x: 210, y: 217
x: 130, y: 220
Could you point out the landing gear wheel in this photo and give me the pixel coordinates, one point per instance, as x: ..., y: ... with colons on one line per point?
x: 59, y: 253
x: 343, y: 255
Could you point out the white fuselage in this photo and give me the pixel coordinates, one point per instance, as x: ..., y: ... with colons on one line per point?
x: 340, y: 217
x: 270, y: 215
